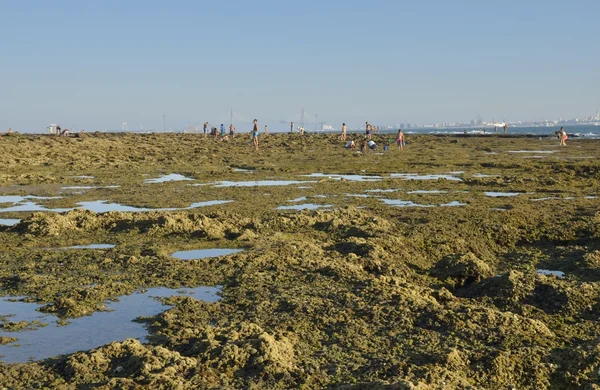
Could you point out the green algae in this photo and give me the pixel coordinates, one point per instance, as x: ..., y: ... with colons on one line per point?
x: 365, y: 295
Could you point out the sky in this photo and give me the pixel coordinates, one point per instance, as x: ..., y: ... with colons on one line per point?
x: 95, y: 64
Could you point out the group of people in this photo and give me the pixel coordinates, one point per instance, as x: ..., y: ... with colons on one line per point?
x: 300, y: 128
x: 215, y: 133
x: 367, y: 142
x: 59, y: 131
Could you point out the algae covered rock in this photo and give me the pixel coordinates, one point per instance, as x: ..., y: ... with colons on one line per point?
x: 506, y: 290
x: 462, y: 270
x: 555, y: 296
x: 143, y: 365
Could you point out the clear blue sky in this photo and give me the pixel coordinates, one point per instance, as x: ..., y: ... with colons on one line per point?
x: 95, y: 64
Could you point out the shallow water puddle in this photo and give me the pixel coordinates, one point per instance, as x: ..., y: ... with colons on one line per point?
x: 501, y: 194
x: 483, y: 175
x: 15, y: 199
x: 548, y: 272
x: 349, y: 177
x: 361, y: 195
x: 9, y: 222
x: 90, y: 246
x: 87, y: 332
x: 197, y: 254
x: 415, y: 176
x: 30, y: 206
x: 166, y: 178
x: 83, y: 177
x: 427, y: 192
x: 86, y: 187
x: 100, y: 206
x: 533, y: 151
x: 552, y: 198
x: 403, y: 203
x: 259, y: 183
x: 300, y: 199
x: 454, y: 203
x: 384, y: 190
x: 304, y: 206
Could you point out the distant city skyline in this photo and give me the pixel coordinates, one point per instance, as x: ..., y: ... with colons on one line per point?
x: 96, y: 65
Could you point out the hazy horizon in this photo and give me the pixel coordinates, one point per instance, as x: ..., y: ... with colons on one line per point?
x: 95, y: 65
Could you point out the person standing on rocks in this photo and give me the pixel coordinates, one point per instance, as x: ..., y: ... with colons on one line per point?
x: 205, y: 128
x: 231, y: 130
x: 344, y: 129
x: 291, y: 127
x: 266, y: 130
x: 255, y: 135
x: 400, y: 139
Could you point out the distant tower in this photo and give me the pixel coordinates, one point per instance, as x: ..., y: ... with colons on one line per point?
x: 598, y: 115
x: 479, y: 120
x: 124, y: 126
